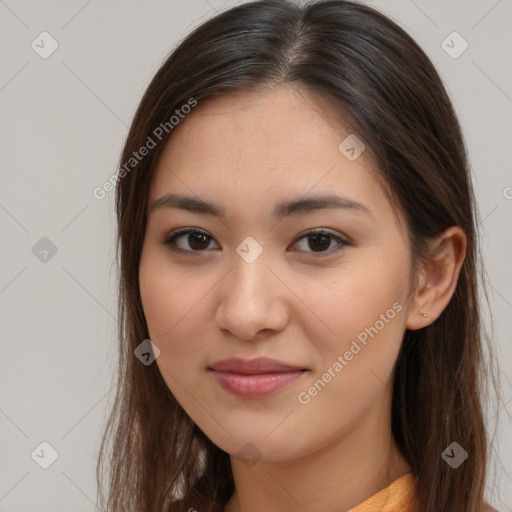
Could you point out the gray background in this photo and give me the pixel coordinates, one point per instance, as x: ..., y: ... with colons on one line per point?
x: 64, y: 119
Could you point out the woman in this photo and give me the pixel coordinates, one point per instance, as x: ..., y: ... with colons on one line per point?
x: 298, y: 275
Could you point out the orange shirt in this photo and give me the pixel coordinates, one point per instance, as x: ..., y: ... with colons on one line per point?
x: 397, y: 497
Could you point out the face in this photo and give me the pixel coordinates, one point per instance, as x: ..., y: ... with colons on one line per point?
x: 318, y: 287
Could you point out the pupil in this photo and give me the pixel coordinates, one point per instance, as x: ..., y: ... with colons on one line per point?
x: 325, y: 238
x: 195, y: 237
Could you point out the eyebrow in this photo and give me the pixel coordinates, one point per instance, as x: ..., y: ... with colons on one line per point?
x: 284, y: 209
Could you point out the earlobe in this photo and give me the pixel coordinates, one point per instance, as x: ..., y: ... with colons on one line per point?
x: 439, y: 278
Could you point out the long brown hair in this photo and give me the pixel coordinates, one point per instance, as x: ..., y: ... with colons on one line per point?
x: 393, y: 98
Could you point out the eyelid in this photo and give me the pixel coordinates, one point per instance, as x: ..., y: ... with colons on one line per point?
x: 171, y: 237
x: 341, y: 239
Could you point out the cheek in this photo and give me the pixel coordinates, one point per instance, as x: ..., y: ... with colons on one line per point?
x: 365, y: 312
x: 355, y: 367
x: 171, y: 306
x: 357, y: 301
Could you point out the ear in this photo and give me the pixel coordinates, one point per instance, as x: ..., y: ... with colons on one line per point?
x: 438, y: 278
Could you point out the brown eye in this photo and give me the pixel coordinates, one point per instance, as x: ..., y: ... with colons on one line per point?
x: 316, y: 242
x: 190, y: 240
x: 198, y: 241
x: 319, y: 241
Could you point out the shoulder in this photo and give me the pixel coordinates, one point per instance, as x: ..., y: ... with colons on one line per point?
x: 487, y: 508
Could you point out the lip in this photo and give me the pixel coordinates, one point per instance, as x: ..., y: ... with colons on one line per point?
x: 254, y: 378
x: 253, y: 366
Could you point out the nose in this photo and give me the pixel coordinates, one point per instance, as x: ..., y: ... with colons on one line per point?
x: 253, y: 301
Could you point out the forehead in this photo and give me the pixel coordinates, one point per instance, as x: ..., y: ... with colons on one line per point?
x: 280, y: 122
x: 265, y: 145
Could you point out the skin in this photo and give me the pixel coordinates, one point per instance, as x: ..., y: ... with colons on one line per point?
x: 298, y: 303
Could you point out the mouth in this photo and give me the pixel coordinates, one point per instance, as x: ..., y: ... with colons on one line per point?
x: 254, y: 378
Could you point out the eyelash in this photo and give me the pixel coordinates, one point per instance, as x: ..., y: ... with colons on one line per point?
x: 171, y: 238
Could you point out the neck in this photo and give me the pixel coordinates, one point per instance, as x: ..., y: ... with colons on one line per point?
x: 334, y: 478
